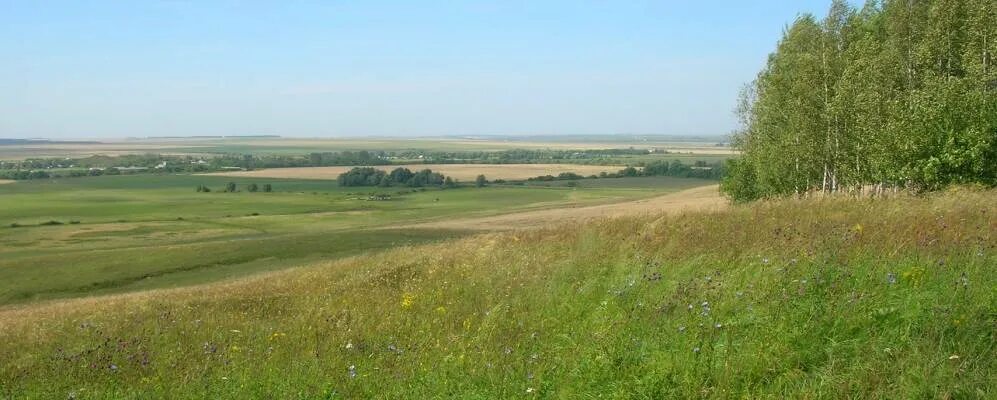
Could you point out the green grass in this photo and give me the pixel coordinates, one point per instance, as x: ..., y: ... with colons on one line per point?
x: 152, y: 231
x: 825, y: 298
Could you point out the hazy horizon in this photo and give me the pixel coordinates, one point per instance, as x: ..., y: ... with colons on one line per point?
x: 113, y: 70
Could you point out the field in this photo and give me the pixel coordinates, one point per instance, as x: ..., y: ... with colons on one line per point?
x: 85, y: 236
x: 703, y: 198
x: 819, y: 298
x: 140, y: 286
x: 294, y: 146
x: 461, y: 172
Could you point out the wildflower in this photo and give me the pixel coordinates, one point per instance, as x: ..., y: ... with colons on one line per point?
x: 718, y: 326
x: 507, y: 350
x: 277, y: 335
x: 113, y: 367
x: 441, y: 310
x: 891, y: 278
x: 352, y: 371
x: 953, y: 357
x: 705, y: 304
x: 682, y: 329
x: 349, y: 345
x: 765, y: 261
x: 235, y: 349
x: 695, y: 350
x: 964, y: 280
x: 407, y: 300
x: 529, y: 390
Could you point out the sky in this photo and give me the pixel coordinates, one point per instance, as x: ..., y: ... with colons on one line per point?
x: 93, y: 69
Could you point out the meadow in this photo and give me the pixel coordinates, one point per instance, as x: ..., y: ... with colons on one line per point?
x: 818, y: 298
x: 76, y: 237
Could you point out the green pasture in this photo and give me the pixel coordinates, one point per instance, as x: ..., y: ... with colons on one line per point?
x: 81, y: 236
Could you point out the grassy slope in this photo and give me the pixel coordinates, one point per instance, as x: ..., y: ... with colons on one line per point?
x: 130, y: 237
x: 787, y: 299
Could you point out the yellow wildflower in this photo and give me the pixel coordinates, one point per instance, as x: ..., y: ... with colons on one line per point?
x: 407, y: 300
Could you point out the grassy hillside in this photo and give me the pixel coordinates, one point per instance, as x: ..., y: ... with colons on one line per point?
x: 822, y: 298
x: 154, y: 231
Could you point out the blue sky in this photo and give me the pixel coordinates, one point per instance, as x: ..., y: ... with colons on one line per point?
x: 90, y: 69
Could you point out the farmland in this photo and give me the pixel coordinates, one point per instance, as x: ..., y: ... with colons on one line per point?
x: 705, y: 148
x: 94, y: 235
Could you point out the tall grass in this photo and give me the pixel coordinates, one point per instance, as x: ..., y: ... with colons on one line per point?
x: 822, y: 298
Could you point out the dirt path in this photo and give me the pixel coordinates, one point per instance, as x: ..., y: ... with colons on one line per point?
x: 695, y: 199
x: 3, y: 181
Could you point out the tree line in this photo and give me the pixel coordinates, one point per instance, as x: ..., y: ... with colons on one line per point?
x: 60, y: 167
x: 231, y: 187
x: 699, y: 169
x: 897, y: 94
x: 369, y: 176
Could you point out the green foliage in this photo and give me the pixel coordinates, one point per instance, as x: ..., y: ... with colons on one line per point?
x: 700, y: 169
x: 896, y: 94
x: 369, y: 176
x: 480, y: 181
x: 739, y: 183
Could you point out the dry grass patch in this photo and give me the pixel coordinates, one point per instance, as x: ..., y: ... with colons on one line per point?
x: 706, y: 198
